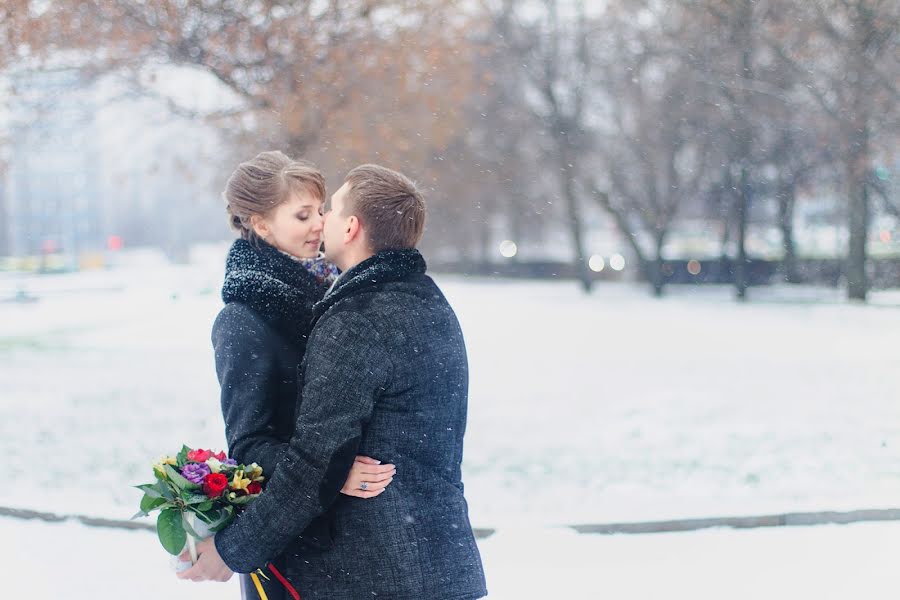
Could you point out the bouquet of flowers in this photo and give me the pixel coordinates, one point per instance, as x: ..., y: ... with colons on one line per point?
x: 197, y: 493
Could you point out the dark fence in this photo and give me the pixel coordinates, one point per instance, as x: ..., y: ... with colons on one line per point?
x: 635, y: 527
x: 883, y: 273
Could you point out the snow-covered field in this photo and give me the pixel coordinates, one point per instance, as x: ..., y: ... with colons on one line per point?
x: 583, y: 409
x: 821, y: 563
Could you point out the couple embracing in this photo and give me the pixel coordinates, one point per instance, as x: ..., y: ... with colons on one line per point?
x: 345, y: 377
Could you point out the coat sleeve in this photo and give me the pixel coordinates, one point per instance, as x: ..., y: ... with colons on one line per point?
x: 345, y: 370
x: 245, y: 366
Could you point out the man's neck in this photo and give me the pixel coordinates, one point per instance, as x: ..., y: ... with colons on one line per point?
x: 353, y: 258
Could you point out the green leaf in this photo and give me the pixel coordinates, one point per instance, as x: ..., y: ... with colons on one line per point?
x: 165, y: 491
x: 181, y: 457
x: 187, y: 527
x: 242, y: 500
x: 170, y: 529
x: 192, y: 499
x: 223, y: 521
x: 217, y: 518
x: 180, y: 482
x: 208, y: 516
x: 205, y: 506
x: 149, y: 489
x: 149, y: 503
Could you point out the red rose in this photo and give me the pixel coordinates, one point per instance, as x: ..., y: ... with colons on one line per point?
x: 254, y: 488
x: 220, y: 456
x: 199, y: 455
x: 214, y: 484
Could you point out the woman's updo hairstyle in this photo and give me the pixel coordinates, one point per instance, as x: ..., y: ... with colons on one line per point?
x: 259, y: 185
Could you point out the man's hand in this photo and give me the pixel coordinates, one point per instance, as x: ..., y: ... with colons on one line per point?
x: 209, y: 567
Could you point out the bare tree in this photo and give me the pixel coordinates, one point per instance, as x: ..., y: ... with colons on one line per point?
x: 845, y: 55
x: 655, y: 144
x: 302, y: 71
x: 552, y: 45
x: 339, y: 82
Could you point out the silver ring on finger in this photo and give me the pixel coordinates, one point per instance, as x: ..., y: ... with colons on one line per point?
x: 364, y: 486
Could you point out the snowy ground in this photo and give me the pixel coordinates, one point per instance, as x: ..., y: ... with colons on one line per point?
x: 583, y: 409
x: 825, y: 563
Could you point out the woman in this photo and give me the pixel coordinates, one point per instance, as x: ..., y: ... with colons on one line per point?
x: 274, y: 274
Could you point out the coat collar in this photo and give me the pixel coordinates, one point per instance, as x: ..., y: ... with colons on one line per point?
x: 384, y: 267
x: 273, y: 284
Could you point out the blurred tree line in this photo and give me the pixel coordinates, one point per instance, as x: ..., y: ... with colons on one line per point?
x: 529, y: 117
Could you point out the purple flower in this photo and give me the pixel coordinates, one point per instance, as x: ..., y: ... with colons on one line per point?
x: 230, y: 462
x: 195, y: 472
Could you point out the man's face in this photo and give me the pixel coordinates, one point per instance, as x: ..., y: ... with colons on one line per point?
x: 335, y: 224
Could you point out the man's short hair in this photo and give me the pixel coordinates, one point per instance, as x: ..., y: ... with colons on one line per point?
x: 389, y: 205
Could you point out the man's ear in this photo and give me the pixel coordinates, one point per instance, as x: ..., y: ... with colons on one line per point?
x: 354, y: 229
x: 260, y: 227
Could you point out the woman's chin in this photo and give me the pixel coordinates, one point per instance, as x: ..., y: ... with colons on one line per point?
x: 305, y: 252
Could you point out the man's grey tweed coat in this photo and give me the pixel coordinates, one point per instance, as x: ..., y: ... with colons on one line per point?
x: 385, y: 375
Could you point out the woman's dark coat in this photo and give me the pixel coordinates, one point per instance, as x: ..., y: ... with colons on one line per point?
x: 259, y: 339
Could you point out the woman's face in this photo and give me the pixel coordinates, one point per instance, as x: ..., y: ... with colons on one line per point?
x: 294, y: 226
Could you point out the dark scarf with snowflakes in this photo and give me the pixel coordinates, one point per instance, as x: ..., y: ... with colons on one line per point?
x: 384, y: 267
x: 281, y: 289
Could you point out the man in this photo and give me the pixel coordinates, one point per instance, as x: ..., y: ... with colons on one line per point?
x: 385, y: 375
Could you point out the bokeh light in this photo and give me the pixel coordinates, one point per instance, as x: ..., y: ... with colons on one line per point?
x: 508, y: 248
x: 694, y: 267
x: 617, y: 262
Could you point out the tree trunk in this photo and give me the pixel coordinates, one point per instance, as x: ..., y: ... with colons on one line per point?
x: 625, y: 229
x: 857, y: 281
x: 5, y: 225
x: 726, y: 236
x: 857, y: 173
x: 574, y: 221
x: 743, y: 207
x: 484, y: 239
x: 746, y: 145
x: 861, y: 80
x: 516, y: 230
x: 657, y: 279
x: 786, y: 201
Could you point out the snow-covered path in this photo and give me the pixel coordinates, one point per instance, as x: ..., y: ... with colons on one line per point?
x: 826, y: 563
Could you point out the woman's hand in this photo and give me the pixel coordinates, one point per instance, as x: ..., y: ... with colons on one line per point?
x: 368, y: 478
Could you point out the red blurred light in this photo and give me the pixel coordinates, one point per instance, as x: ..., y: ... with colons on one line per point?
x: 114, y: 242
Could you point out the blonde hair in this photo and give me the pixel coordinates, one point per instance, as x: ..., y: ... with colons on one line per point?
x: 259, y: 185
x: 389, y: 205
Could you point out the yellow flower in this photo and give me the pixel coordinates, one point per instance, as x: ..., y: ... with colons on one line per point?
x: 254, y: 472
x: 239, y: 482
x: 161, y: 462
